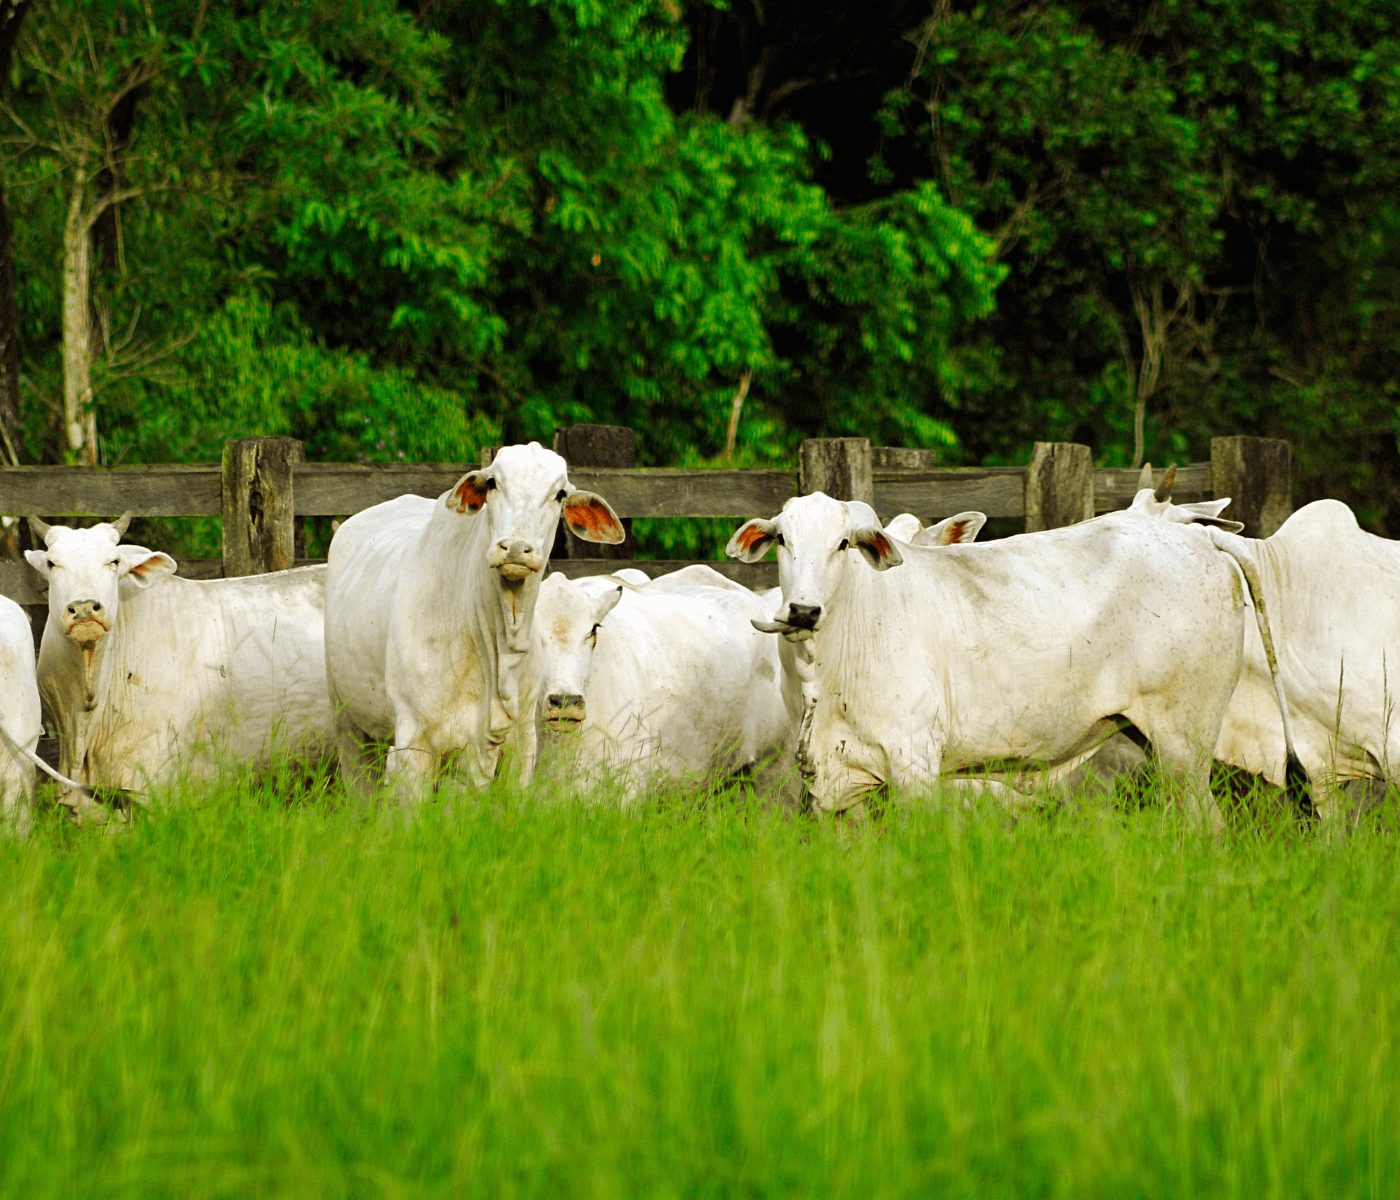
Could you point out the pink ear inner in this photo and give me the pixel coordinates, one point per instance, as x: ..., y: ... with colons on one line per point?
x: 749, y: 537
x: 469, y: 494
x: 590, y: 517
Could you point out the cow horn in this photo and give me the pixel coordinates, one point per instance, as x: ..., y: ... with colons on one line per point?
x: 1145, y: 477
x: 121, y: 523
x: 39, y: 528
x: 1164, y: 489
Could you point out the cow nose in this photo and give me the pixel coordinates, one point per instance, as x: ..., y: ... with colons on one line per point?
x: 804, y: 616
x: 557, y: 700
x: 82, y: 609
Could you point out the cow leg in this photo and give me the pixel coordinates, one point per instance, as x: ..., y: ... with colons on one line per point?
x: 16, y: 807
x: 1182, y: 762
x: 355, y: 756
x: 411, y: 767
x: 1328, y: 797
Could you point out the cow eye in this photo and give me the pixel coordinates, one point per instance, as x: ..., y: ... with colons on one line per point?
x: 845, y: 544
x: 780, y: 540
x: 49, y: 561
x: 562, y: 496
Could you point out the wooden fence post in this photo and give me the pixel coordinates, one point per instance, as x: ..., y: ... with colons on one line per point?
x: 1059, y: 485
x: 596, y: 446
x: 1257, y: 475
x: 259, y: 525
x: 840, y: 467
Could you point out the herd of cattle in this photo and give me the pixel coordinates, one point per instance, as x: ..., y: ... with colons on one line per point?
x: 888, y: 654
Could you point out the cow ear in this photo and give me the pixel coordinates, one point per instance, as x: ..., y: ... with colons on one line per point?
x: 592, y: 518
x: 875, y: 547
x: 468, y: 494
x: 1205, y: 512
x: 143, y: 567
x: 38, y: 560
x: 606, y: 603
x: 952, y: 531
x: 905, y: 527
x: 751, y: 540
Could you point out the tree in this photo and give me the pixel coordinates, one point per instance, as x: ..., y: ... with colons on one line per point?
x: 1192, y: 201
x: 12, y: 14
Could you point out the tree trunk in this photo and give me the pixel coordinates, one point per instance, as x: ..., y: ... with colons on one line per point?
x: 79, y: 416
x: 12, y: 14
x: 9, y: 339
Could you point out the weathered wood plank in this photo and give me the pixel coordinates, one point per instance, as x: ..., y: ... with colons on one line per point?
x: 755, y: 575
x: 338, y: 489
x: 903, y: 458
x: 169, y: 490
x: 1115, y: 487
x: 840, y: 467
x: 22, y: 583
x: 1059, y: 485
x: 1258, y: 474
x: 938, y: 492
x: 259, y: 530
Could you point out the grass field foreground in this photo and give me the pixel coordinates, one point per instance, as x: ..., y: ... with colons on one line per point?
x: 516, y: 996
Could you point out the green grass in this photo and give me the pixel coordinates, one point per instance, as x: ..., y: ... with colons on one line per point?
x: 515, y: 996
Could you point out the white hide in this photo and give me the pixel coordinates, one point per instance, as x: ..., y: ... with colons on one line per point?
x: 20, y: 720
x: 185, y: 676
x: 1332, y: 592
x: 670, y: 678
x: 429, y: 611
x: 1022, y: 651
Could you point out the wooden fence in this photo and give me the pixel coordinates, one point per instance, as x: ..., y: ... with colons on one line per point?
x: 263, y: 487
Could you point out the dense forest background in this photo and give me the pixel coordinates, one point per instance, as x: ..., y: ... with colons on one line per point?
x: 405, y: 230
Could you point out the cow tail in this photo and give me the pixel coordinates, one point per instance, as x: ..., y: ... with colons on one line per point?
x: 26, y: 753
x: 1295, y: 777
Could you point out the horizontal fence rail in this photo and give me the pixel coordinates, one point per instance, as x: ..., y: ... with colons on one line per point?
x: 263, y: 487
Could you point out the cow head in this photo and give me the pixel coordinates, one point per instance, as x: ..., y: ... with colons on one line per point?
x: 567, y: 618
x: 521, y: 496
x: 813, y: 534
x: 1157, y: 502
x: 87, y: 570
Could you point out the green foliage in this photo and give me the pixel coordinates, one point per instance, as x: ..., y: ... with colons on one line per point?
x: 487, y: 209
x: 484, y: 219
x: 1211, y: 184
x: 253, y: 366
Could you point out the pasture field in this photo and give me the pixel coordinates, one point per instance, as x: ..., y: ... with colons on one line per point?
x: 518, y: 995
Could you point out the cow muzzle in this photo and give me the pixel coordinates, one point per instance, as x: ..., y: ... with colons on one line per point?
x: 85, y: 622
x: 564, y: 711
x: 515, y: 559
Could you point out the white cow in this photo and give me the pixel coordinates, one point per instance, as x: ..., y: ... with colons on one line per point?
x: 1030, y: 650
x: 429, y: 612
x: 795, y: 650
x: 662, y: 682
x: 148, y: 677
x: 1333, y: 595
x: 20, y: 721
